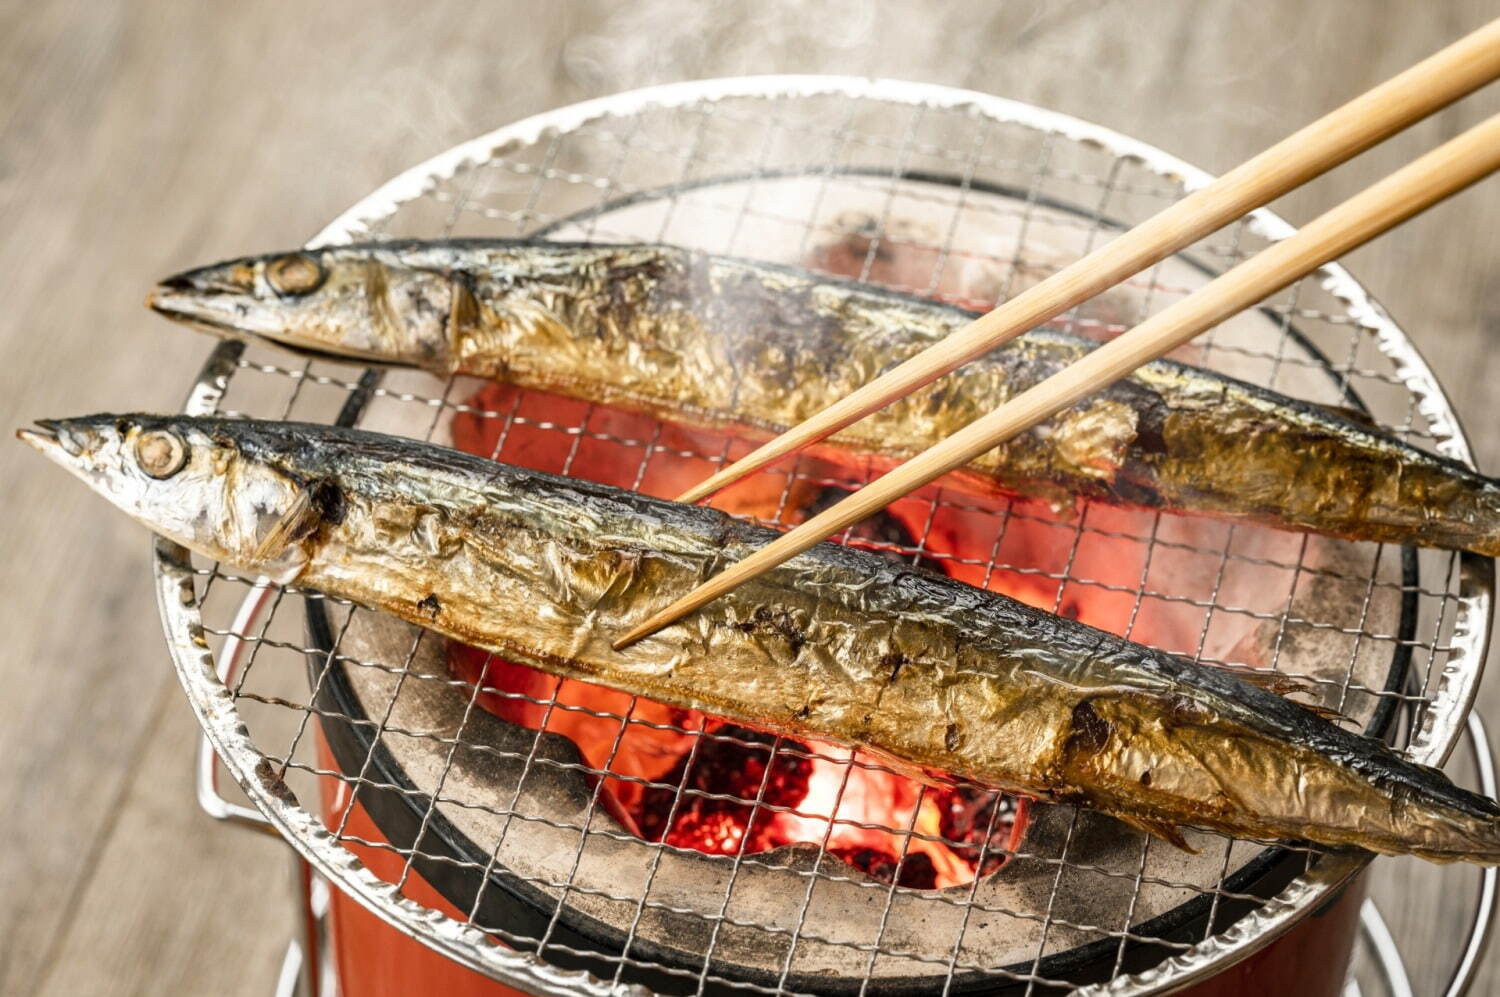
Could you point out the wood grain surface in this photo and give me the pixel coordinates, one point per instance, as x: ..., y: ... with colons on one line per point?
x: 139, y: 138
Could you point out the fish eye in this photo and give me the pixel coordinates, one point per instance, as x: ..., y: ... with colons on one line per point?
x: 295, y: 274
x: 161, y: 453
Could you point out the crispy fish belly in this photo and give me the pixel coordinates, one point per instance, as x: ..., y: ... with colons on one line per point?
x: 722, y: 342
x: 836, y: 644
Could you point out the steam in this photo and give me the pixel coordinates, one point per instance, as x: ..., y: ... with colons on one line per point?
x: 655, y: 41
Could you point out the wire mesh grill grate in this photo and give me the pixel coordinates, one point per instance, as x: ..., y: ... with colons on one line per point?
x: 949, y: 200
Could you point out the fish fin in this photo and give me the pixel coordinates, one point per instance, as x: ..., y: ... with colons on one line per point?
x: 1286, y: 687
x: 933, y: 778
x: 930, y: 777
x: 1270, y: 681
x: 1326, y: 712
x: 938, y: 779
x: 1355, y: 416
x: 463, y: 314
x: 293, y: 523
x: 1159, y: 829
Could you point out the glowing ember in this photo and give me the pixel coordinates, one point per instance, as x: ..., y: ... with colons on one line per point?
x: 697, y: 782
x: 732, y: 766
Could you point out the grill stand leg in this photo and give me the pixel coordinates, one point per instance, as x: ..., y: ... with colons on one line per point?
x: 1377, y: 936
x: 305, y: 971
x: 289, y: 982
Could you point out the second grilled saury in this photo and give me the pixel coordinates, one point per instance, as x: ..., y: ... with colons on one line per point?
x: 722, y: 342
x: 837, y: 643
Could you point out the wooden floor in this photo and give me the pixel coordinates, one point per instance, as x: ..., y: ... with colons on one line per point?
x: 139, y: 138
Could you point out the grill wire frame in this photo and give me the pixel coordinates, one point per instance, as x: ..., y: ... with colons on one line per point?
x: 1448, y: 697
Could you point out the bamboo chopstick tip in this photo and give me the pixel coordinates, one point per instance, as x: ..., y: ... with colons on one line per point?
x: 696, y: 599
x: 638, y: 633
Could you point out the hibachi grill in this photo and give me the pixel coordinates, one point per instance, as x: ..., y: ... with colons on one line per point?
x: 568, y: 839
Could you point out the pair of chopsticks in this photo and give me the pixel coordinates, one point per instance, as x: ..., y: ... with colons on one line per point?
x: 1426, y: 87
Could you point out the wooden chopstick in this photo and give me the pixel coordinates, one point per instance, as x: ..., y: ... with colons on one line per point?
x: 1414, y: 188
x: 1437, y: 81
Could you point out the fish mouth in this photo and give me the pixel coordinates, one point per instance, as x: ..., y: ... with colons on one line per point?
x: 188, y: 303
x: 177, y: 282
x: 52, y: 439
x: 202, y: 323
x: 184, y: 300
x: 208, y: 280
x: 220, y: 298
x: 45, y: 434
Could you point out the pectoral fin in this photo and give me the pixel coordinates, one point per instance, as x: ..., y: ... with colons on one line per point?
x: 1285, y: 686
x: 299, y: 519
x: 1160, y: 829
x: 1355, y: 416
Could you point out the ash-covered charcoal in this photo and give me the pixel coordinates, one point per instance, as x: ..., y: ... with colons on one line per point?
x: 719, y: 791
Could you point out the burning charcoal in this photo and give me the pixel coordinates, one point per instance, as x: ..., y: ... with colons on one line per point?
x: 966, y: 813
x: 917, y: 871
x: 725, y: 768
x: 874, y: 862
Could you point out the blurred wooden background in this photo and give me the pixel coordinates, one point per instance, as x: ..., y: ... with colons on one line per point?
x: 139, y: 138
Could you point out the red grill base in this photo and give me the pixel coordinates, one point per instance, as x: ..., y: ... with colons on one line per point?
x: 372, y: 959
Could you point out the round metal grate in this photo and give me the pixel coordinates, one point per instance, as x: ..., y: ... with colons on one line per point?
x: 498, y: 846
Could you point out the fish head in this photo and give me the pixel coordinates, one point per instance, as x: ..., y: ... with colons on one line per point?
x: 350, y: 302
x: 204, y: 489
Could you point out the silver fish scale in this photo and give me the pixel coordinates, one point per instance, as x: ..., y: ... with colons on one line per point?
x: 920, y: 189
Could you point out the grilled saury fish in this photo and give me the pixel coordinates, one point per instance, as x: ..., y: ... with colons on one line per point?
x: 722, y: 342
x: 836, y: 643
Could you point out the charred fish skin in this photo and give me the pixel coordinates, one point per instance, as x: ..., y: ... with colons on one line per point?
x: 727, y: 343
x: 836, y: 644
